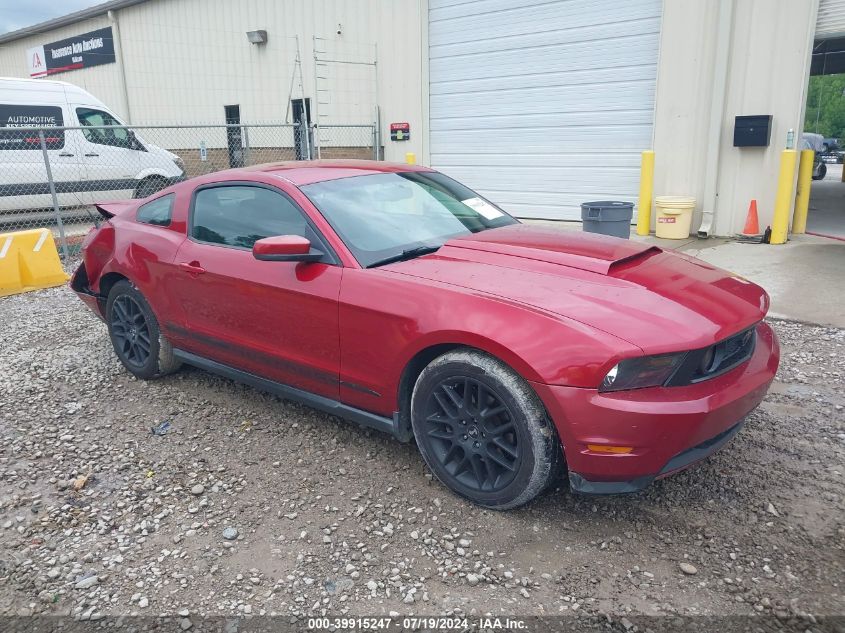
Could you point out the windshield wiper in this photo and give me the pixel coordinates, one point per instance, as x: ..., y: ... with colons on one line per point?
x: 408, y: 253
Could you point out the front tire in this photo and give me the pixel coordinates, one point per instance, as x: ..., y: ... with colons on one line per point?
x: 135, y: 335
x: 822, y: 172
x: 483, y: 431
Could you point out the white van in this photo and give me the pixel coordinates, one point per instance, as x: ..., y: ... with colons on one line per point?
x: 88, y: 166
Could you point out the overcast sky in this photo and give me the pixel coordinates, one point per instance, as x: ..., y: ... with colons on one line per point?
x: 16, y: 14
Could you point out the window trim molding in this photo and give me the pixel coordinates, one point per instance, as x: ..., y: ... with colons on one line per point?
x: 329, y: 255
x: 172, y: 196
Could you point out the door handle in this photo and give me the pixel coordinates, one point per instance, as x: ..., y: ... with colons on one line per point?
x: 194, y: 268
x: 65, y: 154
x: 92, y: 154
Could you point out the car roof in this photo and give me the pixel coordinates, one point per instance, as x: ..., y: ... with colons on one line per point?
x: 311, y: 171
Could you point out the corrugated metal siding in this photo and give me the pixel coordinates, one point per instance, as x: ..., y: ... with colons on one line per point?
x: 186, y: 59
x: 543, y: 105
x: 831, y: 18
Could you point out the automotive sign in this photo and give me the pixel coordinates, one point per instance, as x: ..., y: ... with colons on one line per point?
x: 29, y: 116
x: 72, y: 53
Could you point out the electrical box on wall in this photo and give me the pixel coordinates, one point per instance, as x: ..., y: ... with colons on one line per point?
x: 753, y: 131
x: 400, y: 132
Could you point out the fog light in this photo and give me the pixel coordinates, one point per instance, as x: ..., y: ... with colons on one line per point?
x: 707, y: 361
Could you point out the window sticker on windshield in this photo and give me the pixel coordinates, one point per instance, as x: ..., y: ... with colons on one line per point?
x: 484, y: 208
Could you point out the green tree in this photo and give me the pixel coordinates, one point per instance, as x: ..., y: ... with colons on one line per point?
x: 826, y: 106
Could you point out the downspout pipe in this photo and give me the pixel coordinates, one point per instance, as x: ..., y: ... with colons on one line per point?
x: 121, y: 70
x: 724, y: 29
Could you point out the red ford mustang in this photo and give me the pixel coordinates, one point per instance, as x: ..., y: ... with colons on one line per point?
x: 398, y: 298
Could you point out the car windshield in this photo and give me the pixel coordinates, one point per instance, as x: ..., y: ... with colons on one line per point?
x: 392, y: 216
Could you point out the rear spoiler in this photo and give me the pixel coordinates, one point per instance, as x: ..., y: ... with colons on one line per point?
x: 110, y: 209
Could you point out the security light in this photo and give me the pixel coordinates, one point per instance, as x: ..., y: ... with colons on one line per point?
x: 257, y: 37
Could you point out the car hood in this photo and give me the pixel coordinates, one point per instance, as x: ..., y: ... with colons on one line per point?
x: 657, y: 300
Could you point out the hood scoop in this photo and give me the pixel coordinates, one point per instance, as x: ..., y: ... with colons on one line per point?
x: 583, y: 251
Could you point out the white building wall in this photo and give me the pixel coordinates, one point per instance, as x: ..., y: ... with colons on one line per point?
x: 769, y: 43
x: 186, y: 59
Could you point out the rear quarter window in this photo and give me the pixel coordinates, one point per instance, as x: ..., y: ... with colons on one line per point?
x: 158, y: 212
x: 21, y: 116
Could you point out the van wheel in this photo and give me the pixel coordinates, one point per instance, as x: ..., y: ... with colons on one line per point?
x: 149, y: 186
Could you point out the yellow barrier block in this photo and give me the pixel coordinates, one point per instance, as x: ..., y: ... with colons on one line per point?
x: 29, y: 261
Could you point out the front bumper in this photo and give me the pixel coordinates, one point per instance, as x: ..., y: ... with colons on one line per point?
x: 669, y: 428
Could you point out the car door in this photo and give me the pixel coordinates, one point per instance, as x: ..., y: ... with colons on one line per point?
x: 110, y: 156
x: 278, y: 320
x: 23, y: 174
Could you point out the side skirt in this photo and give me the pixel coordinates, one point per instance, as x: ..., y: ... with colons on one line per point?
x: 327, y: 405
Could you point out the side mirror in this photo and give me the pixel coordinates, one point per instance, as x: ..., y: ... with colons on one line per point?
x: 285, y: 248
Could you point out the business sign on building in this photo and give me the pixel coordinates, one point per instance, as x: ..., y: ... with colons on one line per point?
x: 72, y: 53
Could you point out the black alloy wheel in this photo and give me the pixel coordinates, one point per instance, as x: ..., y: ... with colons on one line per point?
x: 130, y: 331
x: 471, y: 432
x: 135, y: 335
x: 482, y: 430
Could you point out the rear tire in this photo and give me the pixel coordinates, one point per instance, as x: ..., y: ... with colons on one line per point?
x: 149, y: 186
x: 822, y: 172
x: 135, y: 334
x: 483, y: 431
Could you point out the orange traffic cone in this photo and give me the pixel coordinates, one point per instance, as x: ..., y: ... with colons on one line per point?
x: 752, y: 223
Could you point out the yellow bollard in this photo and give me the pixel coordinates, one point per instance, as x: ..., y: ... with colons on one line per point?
x: 783, y: 199
x: 802, y: 198
x: 646, y: 191
x: 411, y: 158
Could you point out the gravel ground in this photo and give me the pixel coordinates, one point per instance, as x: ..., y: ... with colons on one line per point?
x: 251, y: 505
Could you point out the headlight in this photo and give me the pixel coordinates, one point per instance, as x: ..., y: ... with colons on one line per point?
x: 179, y: 162
x: 645, y: 371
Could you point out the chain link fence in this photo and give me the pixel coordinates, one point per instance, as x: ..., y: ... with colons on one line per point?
x: 52, y: 177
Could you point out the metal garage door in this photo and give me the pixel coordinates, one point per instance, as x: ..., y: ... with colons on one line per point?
x: 543, y: 105
x: 831, y: 20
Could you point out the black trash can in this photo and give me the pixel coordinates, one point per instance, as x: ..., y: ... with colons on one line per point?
x: 608, y: 218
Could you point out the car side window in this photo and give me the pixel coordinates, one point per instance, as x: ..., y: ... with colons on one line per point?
x: 157, y: 212
x: 239, y: 215
x: 116, y: 137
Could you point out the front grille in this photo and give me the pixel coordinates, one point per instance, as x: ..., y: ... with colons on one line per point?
x: 712, y: 361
